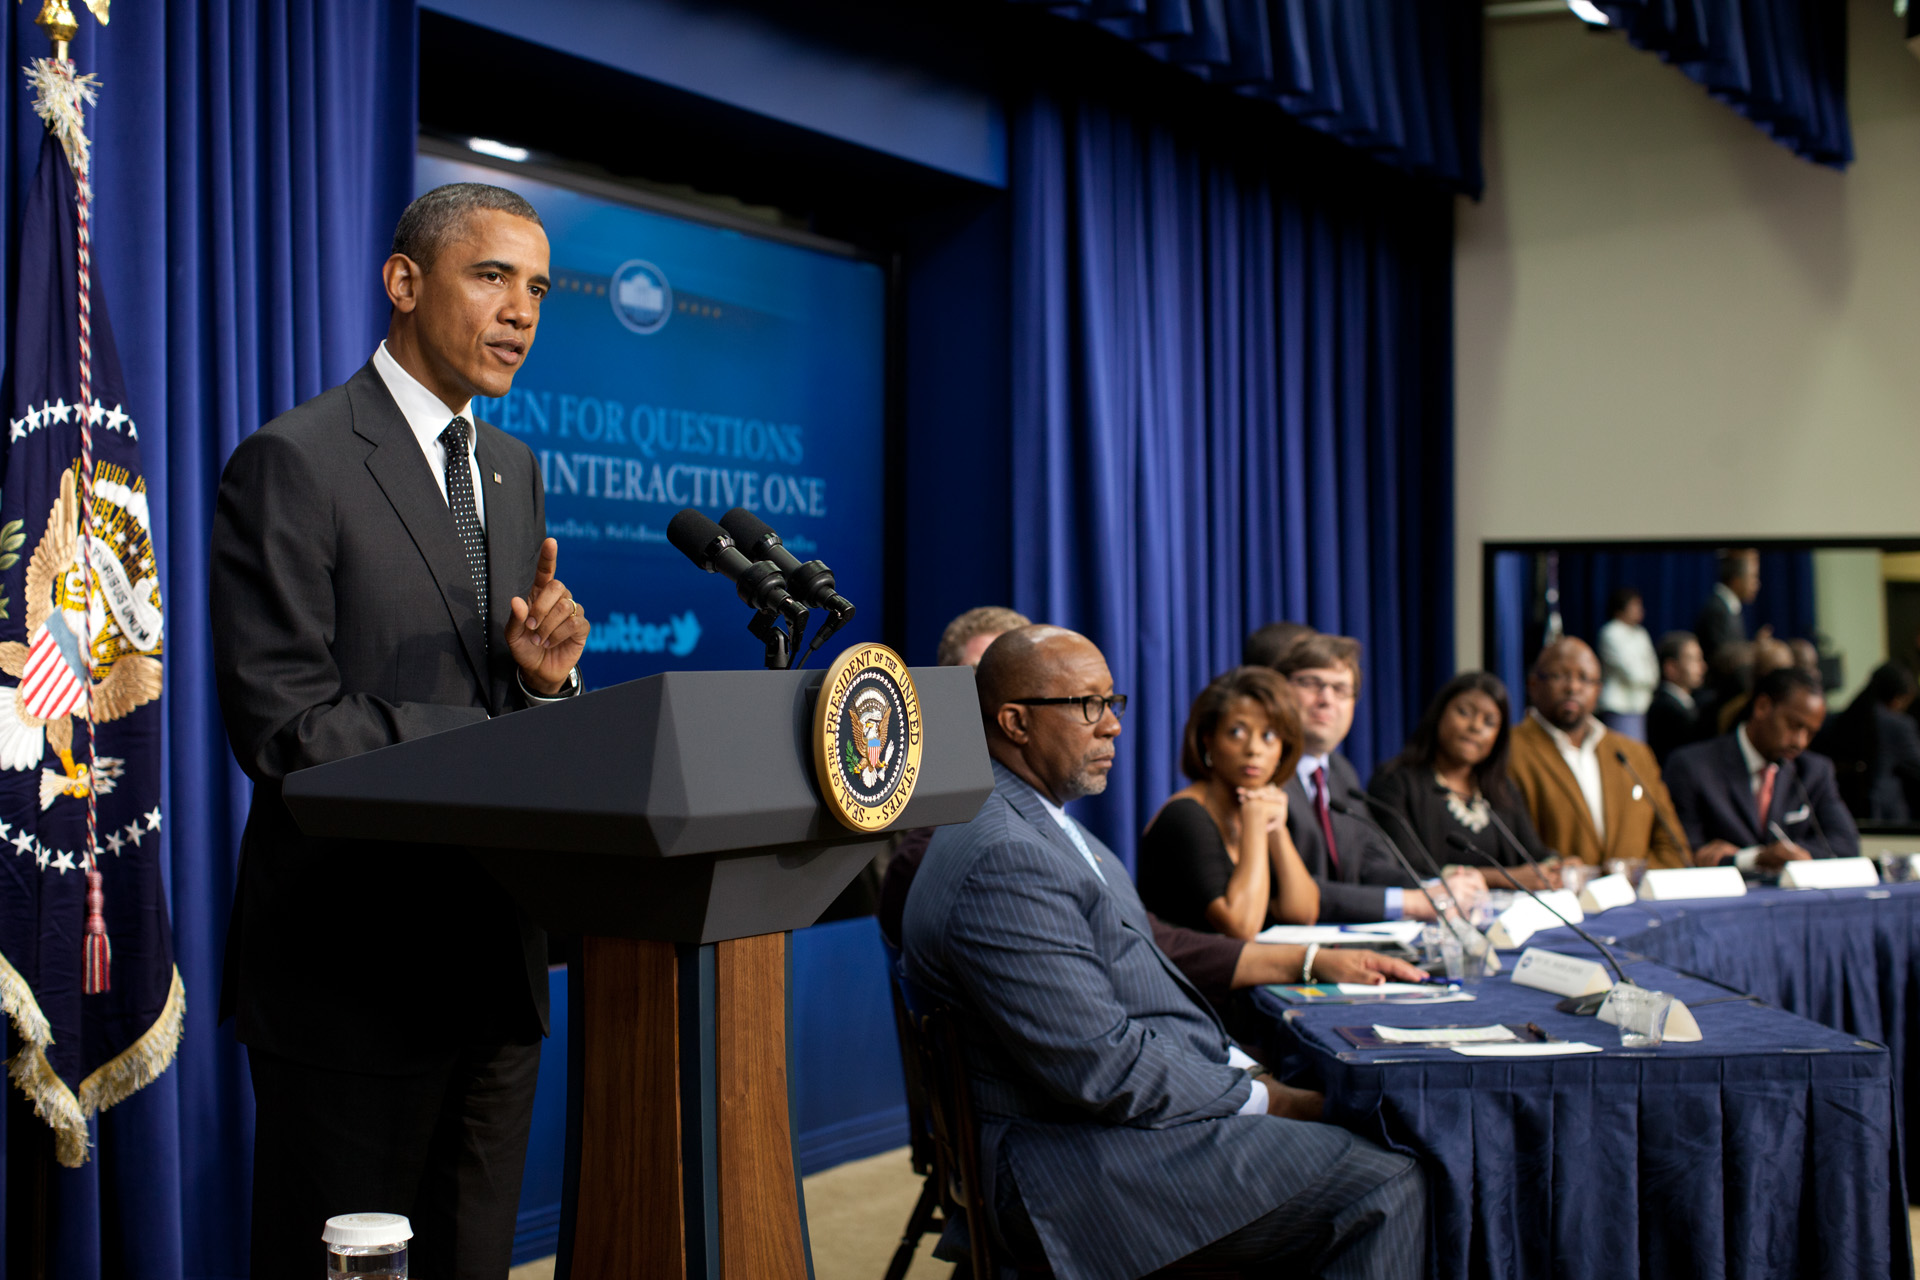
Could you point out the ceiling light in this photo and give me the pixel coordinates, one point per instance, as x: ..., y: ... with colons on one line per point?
x: 500, y: 150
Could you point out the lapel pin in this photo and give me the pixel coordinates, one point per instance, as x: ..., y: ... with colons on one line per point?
x: 496, y: 478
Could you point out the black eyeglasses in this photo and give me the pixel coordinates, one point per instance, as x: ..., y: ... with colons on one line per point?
x: 1092, y: 706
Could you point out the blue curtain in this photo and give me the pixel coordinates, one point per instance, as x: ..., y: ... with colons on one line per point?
x: 1672, y: 584
x: 1231, y: 404
x: 1398, y: 79
x: 1780, y: 63
x: 249, y: 162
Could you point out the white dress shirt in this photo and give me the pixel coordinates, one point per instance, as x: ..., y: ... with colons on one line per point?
x: 1584, y: 761
x: 1682, y: 696
x: 1630, y: 669
x: 427, y: 416
x: 1725, y: 592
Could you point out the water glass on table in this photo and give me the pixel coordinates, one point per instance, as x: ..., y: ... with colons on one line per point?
x: 1641, y: 1016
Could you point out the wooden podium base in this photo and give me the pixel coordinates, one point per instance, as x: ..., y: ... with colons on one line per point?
x: 680, y: 1157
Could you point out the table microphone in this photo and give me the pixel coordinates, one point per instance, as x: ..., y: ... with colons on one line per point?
x: 1439, y: 916
x: 759, y: 582
x: 1647, y: 791
x: 1461, y: 844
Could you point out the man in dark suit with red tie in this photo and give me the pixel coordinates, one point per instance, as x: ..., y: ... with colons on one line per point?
x: 381, y: 572
x: 1359, y: 878
x: 1756, y: 798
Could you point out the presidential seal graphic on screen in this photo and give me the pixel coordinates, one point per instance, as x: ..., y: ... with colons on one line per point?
x: 867, y: 737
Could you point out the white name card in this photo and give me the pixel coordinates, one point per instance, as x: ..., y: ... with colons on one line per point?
x: 1606, y: 893
x: 1525, y: 917
x: 1830, y: 873
x: 1681, y: 1026
x: 1566, y: 903
x: 1560, y: 975
x: 1670, y: 883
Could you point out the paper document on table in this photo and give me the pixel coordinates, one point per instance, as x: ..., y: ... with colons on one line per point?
x: 1525, y: 1050
x: 1300, y: 935
x: 1404, y: 932
x: 1444, y: 1035
x: 1389, y: 989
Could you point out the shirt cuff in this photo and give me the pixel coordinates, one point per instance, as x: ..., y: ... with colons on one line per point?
x: 1747, y: 858
x: 1256, y: 1103
x: 1392, y: 908
x: 569, y: 688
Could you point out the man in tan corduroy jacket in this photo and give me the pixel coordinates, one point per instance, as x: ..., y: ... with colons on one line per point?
x: 1586, y: 803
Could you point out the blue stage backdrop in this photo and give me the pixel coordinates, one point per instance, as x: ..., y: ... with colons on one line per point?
x: 681, y: 364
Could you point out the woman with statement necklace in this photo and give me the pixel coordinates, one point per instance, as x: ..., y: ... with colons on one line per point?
x: 1217, y: 856
x: 1452, y: 781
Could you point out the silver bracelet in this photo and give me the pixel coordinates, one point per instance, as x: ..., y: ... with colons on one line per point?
x: 1306, y: 966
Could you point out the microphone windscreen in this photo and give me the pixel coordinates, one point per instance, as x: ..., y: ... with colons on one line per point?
x: 692, y: 532
x: 744, y: 527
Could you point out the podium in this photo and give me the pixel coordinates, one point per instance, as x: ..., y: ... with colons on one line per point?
x: 674, y: 825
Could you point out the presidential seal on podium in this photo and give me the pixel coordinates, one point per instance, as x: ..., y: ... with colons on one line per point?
x: 866, y: 737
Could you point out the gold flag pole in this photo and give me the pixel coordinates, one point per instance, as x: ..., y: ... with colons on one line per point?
x: 57, y: 20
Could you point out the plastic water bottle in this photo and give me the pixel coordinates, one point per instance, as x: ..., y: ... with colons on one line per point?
x: 367, y: 1246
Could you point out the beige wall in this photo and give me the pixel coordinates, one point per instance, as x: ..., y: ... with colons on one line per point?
x: 1667, y: 325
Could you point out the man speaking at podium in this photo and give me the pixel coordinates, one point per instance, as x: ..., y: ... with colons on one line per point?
x: 381, y: 572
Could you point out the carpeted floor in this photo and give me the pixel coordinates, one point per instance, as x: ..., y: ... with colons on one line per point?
x: 854, y: 1217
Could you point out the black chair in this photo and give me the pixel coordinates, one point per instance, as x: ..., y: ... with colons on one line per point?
x: 935, y: 1208
x: 940, y: 1112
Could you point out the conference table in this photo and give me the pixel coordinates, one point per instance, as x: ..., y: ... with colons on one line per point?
x: 1845, y: 958
x: 1767, y: 1149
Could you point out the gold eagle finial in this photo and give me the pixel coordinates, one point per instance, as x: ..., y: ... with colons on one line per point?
x: 58, y: 21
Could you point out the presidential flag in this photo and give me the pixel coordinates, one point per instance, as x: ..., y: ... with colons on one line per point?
x: 86, y: 953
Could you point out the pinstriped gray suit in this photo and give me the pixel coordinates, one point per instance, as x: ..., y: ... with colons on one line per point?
x: 1100, y: 1076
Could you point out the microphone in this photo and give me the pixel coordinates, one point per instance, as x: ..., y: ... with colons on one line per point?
x: 1460, y: 844
x: 1460, y: 926
x: 811, y: 583
x: 1506, y: 833
x: 1380, y: 806
x: 759, y: 583
x: 1679, y: 842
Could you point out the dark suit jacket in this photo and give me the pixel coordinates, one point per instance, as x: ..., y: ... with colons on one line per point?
x: 1715, y: 800
x: 1718, y: 626
x: 344, y: 620
x: 1097, y: 1070
x: 1367, y: 868
x: 1671, y: 724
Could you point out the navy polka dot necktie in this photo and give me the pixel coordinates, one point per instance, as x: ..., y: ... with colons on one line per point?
x: 466, y: 521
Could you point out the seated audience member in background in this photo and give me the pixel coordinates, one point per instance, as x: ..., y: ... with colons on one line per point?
x: 1452, y: 781
x: 1756, y: 797
x: 1765, y: 654
x: 1359, y: 878
x: 1217, y: 855
x: 1217, y: 966
x: 1119, y: 1128
x: 1265, y: 647
x: 1674, y: 718
x: 1629, y: 668
x: 1585, y: 801
x: 1722, y: 619
x: 1875, y: 748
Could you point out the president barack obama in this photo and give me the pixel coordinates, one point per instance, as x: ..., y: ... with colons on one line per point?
x: 381, y: 572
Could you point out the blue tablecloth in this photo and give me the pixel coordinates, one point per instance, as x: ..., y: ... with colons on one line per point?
x: 1766, y: 1150
x: 1846, y: 958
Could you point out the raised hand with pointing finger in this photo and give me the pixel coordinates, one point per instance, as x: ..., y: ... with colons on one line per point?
x: 548, y: 629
